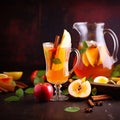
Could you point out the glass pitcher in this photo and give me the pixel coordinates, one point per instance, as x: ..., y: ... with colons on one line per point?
x: 96, y: 59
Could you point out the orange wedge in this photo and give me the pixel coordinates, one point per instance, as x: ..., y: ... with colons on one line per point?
x: 92, y: 54
x: 61, y: 55
x: 85, y: 59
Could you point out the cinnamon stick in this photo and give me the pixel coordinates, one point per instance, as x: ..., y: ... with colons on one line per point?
x: 90, y: 102
x: 100, y: 97
x: 56, y: 42
x: 21, y: 85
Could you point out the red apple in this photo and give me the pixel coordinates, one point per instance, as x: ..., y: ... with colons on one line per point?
x: 33, y: 75
x: 43, y: 91
x: 36, y: 74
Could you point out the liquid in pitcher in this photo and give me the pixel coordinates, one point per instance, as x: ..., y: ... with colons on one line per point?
x: 95, y: 60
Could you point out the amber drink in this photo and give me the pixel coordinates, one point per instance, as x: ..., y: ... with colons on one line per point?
x: 95, y: 61
x: 56, y: 63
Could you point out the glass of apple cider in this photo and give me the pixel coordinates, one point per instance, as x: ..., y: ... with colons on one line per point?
x: 57, y: 66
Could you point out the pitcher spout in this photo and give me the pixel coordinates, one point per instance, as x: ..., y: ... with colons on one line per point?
x: 81, y: 28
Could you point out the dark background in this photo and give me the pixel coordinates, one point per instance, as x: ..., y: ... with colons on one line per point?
x: 25, y: 25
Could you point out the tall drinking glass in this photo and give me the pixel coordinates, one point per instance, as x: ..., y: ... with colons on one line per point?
x: 57, y: 67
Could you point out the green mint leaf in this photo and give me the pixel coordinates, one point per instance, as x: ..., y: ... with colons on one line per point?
x: 115, y: 74
x: 41, y: 80
x: 29, y: 90
x: 71, y: 109
x: 85, y: 44
x: 19, y: 92
x: 41, y: 73
x: 12, y: 99
x: 38, y: 80
x: 94, y: 91
x: 75, y: 77
x: 90, y: 79
x: 83, y: 49
x: 116, y: 71
x: 56, y: 61
x: 65, y: 92
x: 117, y: 67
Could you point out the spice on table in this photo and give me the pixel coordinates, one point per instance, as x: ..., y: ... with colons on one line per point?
x: 100, y: 97
x: 21, y: 85
x: 99, y: 103
x: 88, y: 110
x: 90, y: 102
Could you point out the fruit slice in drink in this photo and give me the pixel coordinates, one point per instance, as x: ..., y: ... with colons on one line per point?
x: 59, y: 60
x: 61, y: 52
x: 85, y: 59
x: 92, y: 54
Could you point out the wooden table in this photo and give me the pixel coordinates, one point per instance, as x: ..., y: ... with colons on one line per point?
x: 30, y: 109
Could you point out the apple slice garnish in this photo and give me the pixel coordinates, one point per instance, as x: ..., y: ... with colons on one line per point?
x: 61, y: 51
x: 101, y: 79
x: 79, y: 89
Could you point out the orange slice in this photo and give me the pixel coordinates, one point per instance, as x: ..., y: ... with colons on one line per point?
x: 92, y: 54
x: 61, y: 55
x: 85, y: 59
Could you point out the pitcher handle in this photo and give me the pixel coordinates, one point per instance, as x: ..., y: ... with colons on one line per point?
x: 115, y: 41
x: 77, y: 60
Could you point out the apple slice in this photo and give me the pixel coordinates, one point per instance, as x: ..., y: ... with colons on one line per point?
x: 79, y: 89
x: 101, y: 79
x: 61, y: 51
x: 66, y: 39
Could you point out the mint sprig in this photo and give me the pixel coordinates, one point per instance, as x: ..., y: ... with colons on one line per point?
x: 94, y: 91
x: 56, y: 61
x: 116, y: 71
x: 41, y: 73
x: 38, y: 80
x: 71, y: 109
x: 85, y: 46
x: 19, y: 93
x: 12, y: 99
x: 29, y: 90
